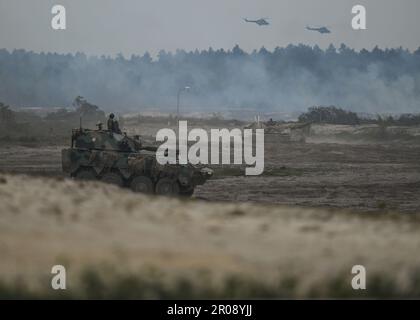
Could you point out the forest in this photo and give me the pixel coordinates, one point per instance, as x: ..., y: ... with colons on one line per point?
x: 287, y: 79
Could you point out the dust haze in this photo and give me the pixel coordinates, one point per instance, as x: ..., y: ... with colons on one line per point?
x: 284, y: 80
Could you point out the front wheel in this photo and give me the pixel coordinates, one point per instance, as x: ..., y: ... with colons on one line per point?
x: 187, y: 193
x: 167, y: 187
x: 142, y: 184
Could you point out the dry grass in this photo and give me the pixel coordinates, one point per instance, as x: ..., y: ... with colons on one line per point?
x: 110, y: 240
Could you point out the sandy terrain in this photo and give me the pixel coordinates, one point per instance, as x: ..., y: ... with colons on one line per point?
x: 296, y: 231
x: 362, y: 177
x: 54, y: 221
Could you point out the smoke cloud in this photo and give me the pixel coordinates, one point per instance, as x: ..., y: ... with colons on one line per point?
x: 286, y: 80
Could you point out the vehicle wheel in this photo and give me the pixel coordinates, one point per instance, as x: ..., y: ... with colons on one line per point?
x: 85, y: 174
x: 142, y: 184
x: 167, y: 187
x: 112, y: 178
x: 187, y: 193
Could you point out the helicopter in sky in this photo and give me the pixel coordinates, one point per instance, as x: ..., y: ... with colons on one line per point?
x: 321, y: 30
x: 260, y: 22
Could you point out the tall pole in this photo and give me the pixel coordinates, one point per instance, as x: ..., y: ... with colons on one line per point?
x: 177, y: 104
x: 178, y: 99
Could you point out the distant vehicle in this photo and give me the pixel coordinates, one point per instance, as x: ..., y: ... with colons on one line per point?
x: 260, y: 22
x: 320, y: 30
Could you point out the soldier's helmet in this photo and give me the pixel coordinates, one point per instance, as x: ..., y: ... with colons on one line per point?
x: 112, y: 116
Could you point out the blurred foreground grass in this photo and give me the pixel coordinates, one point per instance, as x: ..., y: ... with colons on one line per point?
x: 94, y: 283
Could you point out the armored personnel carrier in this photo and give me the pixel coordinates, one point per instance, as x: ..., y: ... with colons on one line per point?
x: 124, y: 161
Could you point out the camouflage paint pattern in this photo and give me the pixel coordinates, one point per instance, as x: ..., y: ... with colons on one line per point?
x: 101, y: 152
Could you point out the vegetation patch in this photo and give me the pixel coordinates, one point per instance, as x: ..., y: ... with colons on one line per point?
x: 94, y: 283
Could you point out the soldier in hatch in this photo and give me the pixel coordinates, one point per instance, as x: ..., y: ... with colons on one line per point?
x: 99, y: 125
x: 112, y: 124
x: 271, y: 122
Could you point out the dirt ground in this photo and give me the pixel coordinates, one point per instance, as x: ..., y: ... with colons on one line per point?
x: 357, y: 176
x: 361, y: 177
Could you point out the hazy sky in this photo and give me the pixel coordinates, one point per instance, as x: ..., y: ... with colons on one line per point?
x: 136, y: 26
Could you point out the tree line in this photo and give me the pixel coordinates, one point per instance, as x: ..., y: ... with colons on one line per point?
x: 286, y: 79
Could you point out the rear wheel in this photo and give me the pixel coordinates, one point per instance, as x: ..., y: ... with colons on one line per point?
x: 167, y: 187
x: 142, y: 184
x: 85, y: 174
x: 112, y: 178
